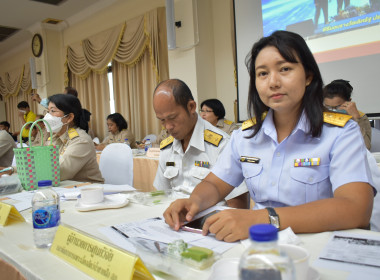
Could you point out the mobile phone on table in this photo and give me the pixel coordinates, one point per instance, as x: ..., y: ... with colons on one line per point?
x: 197, y: 224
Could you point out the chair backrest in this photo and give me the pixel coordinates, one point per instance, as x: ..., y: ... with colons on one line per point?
x: 375, y: 171
x: 151, y: 137
x: 116, y: 164
x: 375, y: 140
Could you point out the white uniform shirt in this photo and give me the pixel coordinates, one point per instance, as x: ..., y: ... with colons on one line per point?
x: 275, y: 181
x: 185, y: 175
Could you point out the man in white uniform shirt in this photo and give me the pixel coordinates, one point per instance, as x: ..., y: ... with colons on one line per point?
x: 188, y: 155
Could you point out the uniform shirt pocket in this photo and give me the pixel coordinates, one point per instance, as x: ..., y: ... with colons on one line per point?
x: 251, y: 173
x: 199, y: 172
x: 310, y: 184
x: 171, y: 172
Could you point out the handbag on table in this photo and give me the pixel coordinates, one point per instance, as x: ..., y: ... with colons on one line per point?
x: 36, y: 163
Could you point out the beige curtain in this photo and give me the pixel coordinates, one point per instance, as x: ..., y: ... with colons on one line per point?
x: 93, y: 94
x: 141, y: 61
x: 16, y: 86
x: 139, y: 52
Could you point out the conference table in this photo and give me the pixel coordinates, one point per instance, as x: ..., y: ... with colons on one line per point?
x: 17, y: 247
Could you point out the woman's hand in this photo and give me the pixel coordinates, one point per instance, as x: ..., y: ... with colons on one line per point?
x: 180, y: 211
x: 233, y: 224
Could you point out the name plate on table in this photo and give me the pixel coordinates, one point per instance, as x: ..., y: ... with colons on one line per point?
x: 9, y: 213
x: 97, y: 258
x: 153, y: 152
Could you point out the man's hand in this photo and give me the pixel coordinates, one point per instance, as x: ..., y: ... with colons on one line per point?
x: 180, y: 211
x: 351, y: 109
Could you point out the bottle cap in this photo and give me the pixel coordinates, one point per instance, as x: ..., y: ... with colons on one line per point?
x: 263, y: 232
x: 44, y: 183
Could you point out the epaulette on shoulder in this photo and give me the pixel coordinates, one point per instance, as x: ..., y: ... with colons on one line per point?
x: 212, y: 137
x: 361, y: 114
x: 72, y: 133
x: 249, y: 123
x: 228, y: 122
x: 166, y: 142
x: 336, y: 118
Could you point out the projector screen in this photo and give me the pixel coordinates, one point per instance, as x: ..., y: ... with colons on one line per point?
x: 344, y: 39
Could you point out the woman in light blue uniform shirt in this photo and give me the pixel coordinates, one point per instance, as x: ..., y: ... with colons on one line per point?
x: 304, y: 167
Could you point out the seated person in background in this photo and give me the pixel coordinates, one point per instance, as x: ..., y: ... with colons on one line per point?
x: 6, y: 148
x: 337, y: 98
x: 6, y: 126
x: 77, y: 154
x: 212, y: 110
x: 164, y: 133
x: 194, y: 145
x: 304, y: 168
x: 118, y: 132
x: 25, y: 116
x: 36, y: 135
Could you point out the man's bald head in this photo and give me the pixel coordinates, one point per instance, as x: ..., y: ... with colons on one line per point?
x: 180, y: 91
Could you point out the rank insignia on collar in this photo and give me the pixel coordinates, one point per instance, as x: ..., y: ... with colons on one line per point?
x: 170, y: 163
x: 166, y: 142
x: 72, y: 133
x: 212, y: 137
x: 300, y: 162
x: 249, y: 159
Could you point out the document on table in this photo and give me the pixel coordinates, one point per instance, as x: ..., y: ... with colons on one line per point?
x: 352, y: 252
x: 156, y: 229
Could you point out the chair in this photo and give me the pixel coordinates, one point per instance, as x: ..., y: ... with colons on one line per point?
x: 375, y: 140
x: 375, y: 171
x: 151, y: 137
x: 116, y: 164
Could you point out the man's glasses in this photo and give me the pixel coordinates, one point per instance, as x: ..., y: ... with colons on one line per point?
x: 205, y: 111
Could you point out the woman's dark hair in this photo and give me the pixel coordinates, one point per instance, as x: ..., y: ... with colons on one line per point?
x: 216, y: 106
x: 291, y: 46
x: 117, y: 118
x: 341, y: 88
x: 22, y: 104
x: 68, y: 103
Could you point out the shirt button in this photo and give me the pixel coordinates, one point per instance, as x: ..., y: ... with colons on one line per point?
x: 311, y: 179
x: 278, y: 154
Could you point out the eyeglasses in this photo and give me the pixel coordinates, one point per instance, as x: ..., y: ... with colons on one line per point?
x: 332, y: 108
x: 205, y: 111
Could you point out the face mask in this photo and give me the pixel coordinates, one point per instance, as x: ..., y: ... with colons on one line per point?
x: 54, y: 122
x: 22, y: 111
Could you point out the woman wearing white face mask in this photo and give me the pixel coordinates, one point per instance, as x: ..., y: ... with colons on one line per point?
x: 77, y: 153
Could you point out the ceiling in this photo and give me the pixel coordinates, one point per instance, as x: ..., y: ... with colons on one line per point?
x: 27, y: 16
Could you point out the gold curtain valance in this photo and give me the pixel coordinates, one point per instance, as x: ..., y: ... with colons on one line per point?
x: 95, y: 52
x: 14, y: 82
x: 125, y: 43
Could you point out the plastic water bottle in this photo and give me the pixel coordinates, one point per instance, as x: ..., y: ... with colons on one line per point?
x: 148, y: 145
x: 46, y: 214
x: 126, y: 141
x: 263, y: 259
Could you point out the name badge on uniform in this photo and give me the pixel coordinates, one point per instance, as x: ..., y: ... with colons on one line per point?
x: 170, y: 163
x: 249, y: 159
x: 298, y: 162
x: 199, y: 163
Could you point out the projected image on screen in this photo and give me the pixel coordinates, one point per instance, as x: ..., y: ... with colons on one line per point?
x: 316, y: 18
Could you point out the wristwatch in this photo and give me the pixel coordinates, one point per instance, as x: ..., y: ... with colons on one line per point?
x: 274, y: 219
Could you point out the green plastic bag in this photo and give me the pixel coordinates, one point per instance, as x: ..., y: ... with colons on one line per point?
x: 36, y: 163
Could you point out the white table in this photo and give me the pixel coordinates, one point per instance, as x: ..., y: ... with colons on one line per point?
x: 17, y: 247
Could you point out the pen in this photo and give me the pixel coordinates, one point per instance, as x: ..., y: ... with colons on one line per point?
x: 119, y: 231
